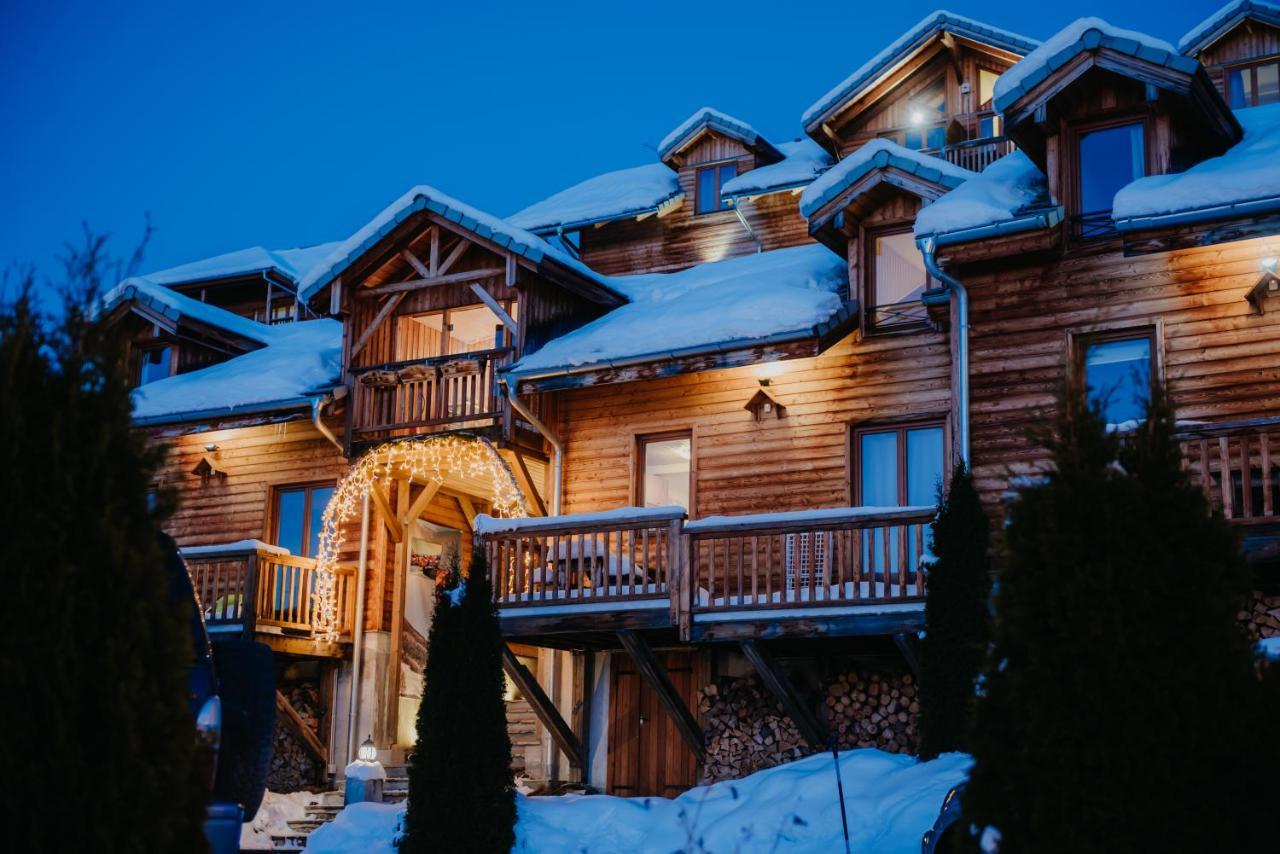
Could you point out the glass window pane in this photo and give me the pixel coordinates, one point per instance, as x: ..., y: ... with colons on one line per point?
x: 1109, y: 159
x: 319, y: 500
x: 986, y: 86
x: 728, y: 172
x: 155, y: 364
x: 878, y: 469
x: 913, y: 139
x: 1268, y: 84
x: 1237, y: 81
x: 937, y: 137
x: 708, y: 192
x: 924, y: 465
x: 666, y: 472
x: 289, y: 521
x: 899, y: 276
x: 472, y: 329
x: 1118, y: 374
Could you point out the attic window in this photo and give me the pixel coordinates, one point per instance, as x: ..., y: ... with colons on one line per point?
x: 1109, y: 157
x: 1254, y: 85
x: 896, y: 279
x: 710, y: 180
x: 155, y: 363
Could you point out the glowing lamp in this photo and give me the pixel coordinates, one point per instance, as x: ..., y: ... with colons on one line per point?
x: 916, y: 117
x: 1269, y: 264
x: 367, y: 752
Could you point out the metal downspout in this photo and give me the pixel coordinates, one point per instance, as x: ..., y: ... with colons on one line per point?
x: 927, y: 249
x: 357, y: 634
x: 557, y: 450
x: 317, y: 406
x: 737, y: 209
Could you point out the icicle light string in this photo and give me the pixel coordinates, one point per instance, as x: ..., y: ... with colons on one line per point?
x: 423, y: 460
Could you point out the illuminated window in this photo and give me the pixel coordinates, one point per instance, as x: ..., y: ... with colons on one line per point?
x: 986, y: 87
x: 1117, y: 373
x: 900, y: 466
x: 710, y: 182
x: 896, y: 279
x: 454, y: 331
x: 665, y: 475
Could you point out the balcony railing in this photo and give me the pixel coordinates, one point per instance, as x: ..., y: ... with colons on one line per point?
x: 253, y: 589
x: 426, y: 395
x: 1237, y: 465
x: 826, y: 558
x: 978, y: 154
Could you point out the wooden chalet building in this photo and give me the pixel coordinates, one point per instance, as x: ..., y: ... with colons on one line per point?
x: 696, y: 411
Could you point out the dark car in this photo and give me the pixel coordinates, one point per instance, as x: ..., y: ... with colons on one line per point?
x: 938, y: 839
x: 234, y: 718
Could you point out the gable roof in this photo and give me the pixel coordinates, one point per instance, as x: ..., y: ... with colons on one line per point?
x: 1010, y: 195
x: 613, y: 195
x: 708, y: 119
x: 288, y: 264
x: 878, y: 154
x: 484, y: 225
x: 1225, y: 20
x: 172, y: 308
x: 902, y: 49
x: 803, y: 160
x: 783, y: 294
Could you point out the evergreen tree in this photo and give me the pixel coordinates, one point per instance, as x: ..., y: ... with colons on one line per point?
x: 1121, y: 710
x: 93, y: 654
x: 461, y: 790
x: 955, y: 641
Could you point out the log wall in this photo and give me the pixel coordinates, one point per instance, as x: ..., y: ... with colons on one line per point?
x: 1248, y: 41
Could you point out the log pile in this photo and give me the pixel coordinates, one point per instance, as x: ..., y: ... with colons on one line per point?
x: 1262, y: 616
x: 868, y: 709
x: 293, y: 766
x: 745, y: 729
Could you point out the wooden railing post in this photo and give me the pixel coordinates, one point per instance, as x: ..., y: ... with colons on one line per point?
x: 249, y: 598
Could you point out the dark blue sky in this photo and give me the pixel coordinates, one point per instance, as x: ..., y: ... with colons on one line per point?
x: 290, y: 123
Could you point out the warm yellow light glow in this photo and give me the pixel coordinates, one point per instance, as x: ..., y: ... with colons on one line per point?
x: 770, y: 370
x: 367, y: 752
x: 424, y: 460
x: 916, y: 118
x: 1269, y: 264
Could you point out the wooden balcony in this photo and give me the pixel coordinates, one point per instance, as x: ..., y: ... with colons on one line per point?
x: 261, y: 593
x: 1237, y: 465
x: 977, y: 154
x: 840, y: 571
x: 422, y: 396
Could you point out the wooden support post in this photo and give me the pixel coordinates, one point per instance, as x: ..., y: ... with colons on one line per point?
x: 496, y: 308
x: 811, y: 728
x: 580, y: 716
x: 420, y: 503
x: 468, y: 509
x: 907, y: 646
x: 384, y: 511
x: 399, y: 583
x: 548, y: 715
x: 525, y: 480
x: 383, y: 313
x: 656, y: 675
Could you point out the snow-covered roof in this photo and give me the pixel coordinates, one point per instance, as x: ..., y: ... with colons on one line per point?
x: 1003, y: 192
x: 613, y: 195
x: 802, y: 161
x: 1081, y: 35
x: 877, y: 154
x: 1245, y: 180
x: 903, y: 49
x: 710, y: 306
x: 178, y: 307
x: 291, y: 264
x: 427, y: 198
x: 1224, y: 21
x: 300, y: 359
x: 709, y: 118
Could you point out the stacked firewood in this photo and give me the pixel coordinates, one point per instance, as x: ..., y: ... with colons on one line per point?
x: 746, y: 730
x: 1262, y: 616
x: 868, y: 709
x: 293, y: 767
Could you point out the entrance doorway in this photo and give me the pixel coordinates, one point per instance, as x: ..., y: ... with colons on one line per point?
x: 647, y: 756
x: 431, y: 548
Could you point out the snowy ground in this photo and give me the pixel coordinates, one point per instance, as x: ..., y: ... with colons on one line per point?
x: 273, y: 817
x: 891, y: 800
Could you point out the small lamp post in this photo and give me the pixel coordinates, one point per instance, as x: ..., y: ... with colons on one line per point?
x: 365, y: 776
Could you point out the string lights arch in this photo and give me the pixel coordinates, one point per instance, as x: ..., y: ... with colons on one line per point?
x: 422, y: 460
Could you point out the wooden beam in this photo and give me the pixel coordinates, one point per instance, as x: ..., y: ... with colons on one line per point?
x: 455, y: 252
x: 811, y: 728
x: 511, y: 270
x: 496, y: 307
x: 548, y: 715
x: 656, y: 675
x: 384, y: 510
x: 399, y: 584
x: 295, y: 724
x: 432, y: 281
x: 468, y: 509
x: 580, y: 715
x: 420, y: 503
x: 523, y: 478
x: 422, y: 269
x: 383, y: 313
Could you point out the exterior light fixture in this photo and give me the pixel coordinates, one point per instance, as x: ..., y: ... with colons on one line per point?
x: 1269, y: 264
x: 916, y: 117
x: 213, y: 446
x: 367, y: 752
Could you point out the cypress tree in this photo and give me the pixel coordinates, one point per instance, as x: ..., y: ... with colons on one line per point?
x: 461, y: 788
x: 93, y: 654
x: 955, y: 640
x: 1121, y: 709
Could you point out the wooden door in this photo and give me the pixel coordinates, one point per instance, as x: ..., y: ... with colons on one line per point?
x: 647, y: 756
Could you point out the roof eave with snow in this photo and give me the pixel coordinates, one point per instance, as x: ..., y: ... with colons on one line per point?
x: 552, y: 229
x: 816, y: 205
x: 1223, y: 21
x: 706, y: 120
x: 899, y: 53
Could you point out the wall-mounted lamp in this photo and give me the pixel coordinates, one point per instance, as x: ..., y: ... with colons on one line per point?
x: 1267, y: 286
x: 211, y: 447
x: 1269, y: 264
x: 763, y: 405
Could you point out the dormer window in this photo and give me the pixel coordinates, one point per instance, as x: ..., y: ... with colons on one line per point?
x: 1254, y: 85
x: 155, y: 363
x: 1109, y: 157
x: 896, y: 280
x: 710, y: 180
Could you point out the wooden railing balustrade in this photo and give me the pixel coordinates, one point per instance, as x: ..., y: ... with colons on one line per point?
x: 440, y: 392
x: 250, y: 589
x: 977, y: 154
x: 1237, y: 465
x: 567, y: 559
